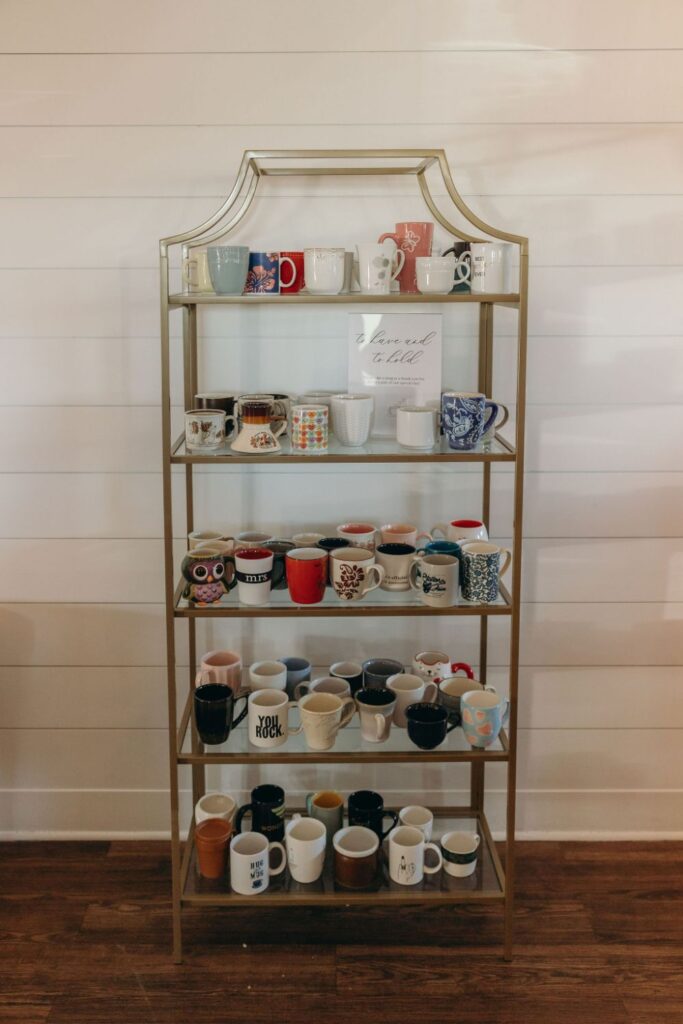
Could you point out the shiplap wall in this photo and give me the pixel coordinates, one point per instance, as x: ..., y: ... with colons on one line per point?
x: 120, y: 123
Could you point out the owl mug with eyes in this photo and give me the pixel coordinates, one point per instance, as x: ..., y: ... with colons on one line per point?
x: 205, y: 572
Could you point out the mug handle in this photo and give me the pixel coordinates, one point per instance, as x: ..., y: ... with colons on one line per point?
x: 232, y: 583
x: 382, y: 726
x: 282, y: 573
x: 505, y: 714
x: 244, y: 809
x: 431, y: 692
x: 506, y: 415
x: 451, y: 726
x: 309, y: 803
x: 492, y: 409
x: 402, y: 258
x: 463, y: 263
x: 286, y: 259
x: 281, y: 429
x: 412, y: 576
x: 230, y: 416
x: 283, y: 860
x: 381, y: 573
x: 491, y: 689
x: 506, y: 563
x: 348, y: 711
x: 390, y: 234
x: 294, y: 730
x: 188, y: 262
x: 442, y: 528
x: 240, y: 717
x: 424, y: 533
x: 300, y: 690
x: 394, y: 822
x: 439, y: 863
x: 467, y: 669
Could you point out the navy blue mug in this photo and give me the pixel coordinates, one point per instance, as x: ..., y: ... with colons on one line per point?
x: 465, y: 417
x: 444, y: 547
x: 263, y: 276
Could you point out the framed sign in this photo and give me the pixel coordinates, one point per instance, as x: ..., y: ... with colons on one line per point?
x: 396, y: 358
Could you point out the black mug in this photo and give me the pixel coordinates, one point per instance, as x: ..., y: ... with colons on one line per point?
x: 376, y: 671
x: 330, y: 544
x: 367, y: 808
x: 428, y: 724
x: 279, y: 549
x: 214, y: 712
x: 267, y: 807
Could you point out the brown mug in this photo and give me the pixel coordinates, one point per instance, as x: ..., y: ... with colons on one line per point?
x: 356, y: 857
x: 212, y: 840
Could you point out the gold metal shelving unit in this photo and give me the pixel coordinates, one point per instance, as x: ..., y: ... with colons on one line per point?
x: 491, y: 882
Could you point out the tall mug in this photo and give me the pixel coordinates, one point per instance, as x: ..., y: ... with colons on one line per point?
x: 413, y: 238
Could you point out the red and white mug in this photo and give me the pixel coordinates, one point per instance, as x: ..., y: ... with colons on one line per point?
x: 306, y: 574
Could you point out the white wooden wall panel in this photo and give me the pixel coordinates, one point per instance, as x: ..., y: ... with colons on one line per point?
x: 115, y: 130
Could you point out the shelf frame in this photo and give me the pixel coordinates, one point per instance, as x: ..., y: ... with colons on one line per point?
x: 420, y: 164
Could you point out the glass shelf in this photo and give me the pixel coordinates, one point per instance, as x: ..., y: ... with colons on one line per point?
x: 487, y: 882
x: 378, y: 449
x: 210, y: 299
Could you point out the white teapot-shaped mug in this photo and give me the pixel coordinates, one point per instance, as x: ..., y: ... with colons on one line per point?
x: 256, y: 436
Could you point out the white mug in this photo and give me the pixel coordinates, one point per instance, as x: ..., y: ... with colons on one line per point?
x: 436, y: 580
x: 353, y: 573
x: 214, y: 805
x: 489, y: 263
x: 325, y: 684
x: 221, y: 667
x: 253, y: 539
x: 376, y: 718
x: 407, y: 848
x: 461, y: 529
x: 196, y: 271
x: 324, y: 270
x: 460, y: 853
x: 418, y: 817
x: 396, y: 558
x: 409, y: 689
x: 352, y: 418
x: 269, y: 718
x: 254, y: 575
x: 307, y: 540
x: 322, y: 716
x: 359, y: 535
x: 267, y: 675
x: 436, y: 275
x: 306, y: 842
x: 378, y: 265
x: 437, y: 665
x: 250, y: 870
x: 416, y: 426
x: 204, y: 537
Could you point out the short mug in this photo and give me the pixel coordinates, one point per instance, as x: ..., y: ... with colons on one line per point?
x: 428, y: 725
x: 352, y: 418
x: 376, y: 710
x: 269, y: 718
x: 435, y: 578
x: 465, y: 417
x: 367, y: 808
x: 378, y: 265
x: 354, y: 573
x: 310, y: 429
x: 306, y: 575
x: 356, y: 857
x: 322, y: 716
x: 436, y: 665
x: 228, y: 266
x: 324, y: 270
x: 263, y: 276
x: 409, y: 689
x: 458, y: 530
x: 396, y: 560
x: 459, y: 852
x: 437, y: 275
x: 205, y: 429
x: 250, y: 870
x: 407, y: 849
x: 416, y: 426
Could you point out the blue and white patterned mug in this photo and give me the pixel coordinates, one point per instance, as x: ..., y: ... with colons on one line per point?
x: 483, y: 715
x: 465, y: 417
x: 482, y: 569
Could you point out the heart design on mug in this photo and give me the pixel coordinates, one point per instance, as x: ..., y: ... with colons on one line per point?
x: 481, y: 715
x: 467, y: 716
x: 485, y: 730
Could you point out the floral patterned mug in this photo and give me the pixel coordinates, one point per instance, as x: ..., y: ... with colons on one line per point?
x: 263, y: 276
x: 352, y: 571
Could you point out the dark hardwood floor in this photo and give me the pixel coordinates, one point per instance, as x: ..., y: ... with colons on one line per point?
x: 85, y: 938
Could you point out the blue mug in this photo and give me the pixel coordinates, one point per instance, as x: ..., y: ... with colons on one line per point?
x: 263, y: 277
x: 444, y: 547
x: 465, y: 417
x: 483, y: 715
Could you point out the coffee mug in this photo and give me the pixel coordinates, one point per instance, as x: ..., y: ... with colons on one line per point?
x: 306, y: 540
x: 482, y: 567
x: 306, y: 575
x: 359, y: 535
x: 416, y: 426
x: 326, y: 806
x: 353, y: 573
x: 322, y: 716
x: 298, y: 669
x: 205, y: 429
x: 495, y: 425
x: 228, y: 266
x: 325, y: 684
x: 253, y: 539
x: 428, y: 725
x: 483, y: 716
x: 409, y: 689
x: 451, y: 691
x: 330, y: 543
x: 352, y: 418
x: 324, y: 270
x: 254, y: 574
x: 401, y: 533
x: 263, y: 276
x: 250, y: 870
x: 465, y: 416
x: 436, y: 665
x: 269, y: 718
x: 351, y: 671
x: 376, y: 671
x: 459, y: 851
x: 378, y: 265
x: 437, y: 275
x: 291, y: 272
x: 376, y: 710
x: 458, y: 249
x: 413, y: 238
x: 407, y: 850
x: 214, y: 712
x: 489, y: 265
x: 210, y: 537
x: 267, y: 810
x: 207, y: 576
x: 305, y: 841
x: 356, y: 857
x: 435, y: 578
x: 221, y: 667
x: 257, y: 435
x: 367, y: 808
x: 267, y: 675
x: 211, y: 839
x: 214, y: 805
x: 223, y: 401
x: 195, y: 270
x: 396, y: 560
x: 249, y: 408
x: 310, y: 429
x: 459, y: 529
x: 418, y: 817
x: 279, y: 549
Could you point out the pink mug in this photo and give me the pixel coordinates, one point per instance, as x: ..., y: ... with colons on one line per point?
x: 414, y: 238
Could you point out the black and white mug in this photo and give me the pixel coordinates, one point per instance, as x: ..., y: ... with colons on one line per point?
x: 268, y: 720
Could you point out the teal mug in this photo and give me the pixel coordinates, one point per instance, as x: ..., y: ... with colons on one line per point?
x: 228, y: 266
x: 328, y: 807
x: 483, y: 715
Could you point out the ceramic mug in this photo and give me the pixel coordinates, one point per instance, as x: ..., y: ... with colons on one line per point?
x: 460, y: 529
x: 489, y: 265
x: 324, y: 270
x: 253, y: 539
x: 205, y: 429
x: 407, y: 849
x: 428, y: 725
x: 215, y: 714
x: 322, y: 716
x: 209, y: 537
x: 437, y: 275
x: 310, y: 429
x: 413, y: 238
x: 211, y: 839
x: 325, y: 684
x: 267, y: 810
x: 214, y: 805
x: 353, y: 573
x: 352, y: 418
x: 436, y: 665
x: 221, y: 667
x: 268, y: 719
x: 250, y: 870
x: 465, y: 417
x: 298, y: 669
x: 306, y: 575
x: 459, y: 851
x: 195, y: 270
x: 305, y: 841
x: 228, y: 266
x: 482, y: 567
x: 376, y: 671
x: 418, y: 817
x: 263, y: 276
x: 451, y: 691
x: 435, y: 578
x: 254, y: 574
x: 401, y: 533
x: 396, y: 560
x: 326, y: 806
x: 294, y: 261
x: 416, y: 426
x: 351, y: 671
x: 256, y: 436
x: 409, y: 689
x: 307, y: 540
x: 356, y: 857
x: 367, y: 809
x: 378, y: 265
x: 483, y: 715
x: 359, y: 535
x: 279, y: 549
x: 376, y: 710
x: 458, y: 249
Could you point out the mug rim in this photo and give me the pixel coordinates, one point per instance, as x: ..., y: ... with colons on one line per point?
x: 400, y: 676
x: 376, y: 692
x: 416, y: 833
x: 215, y: 796
x: 343, y: 833
x: 357, y: 529
x: 221, y: 691
x: 431, y: 556
x: 242, y: 838
x: 434, y: 714
x: 381, y: 548
x: 355, y: 664
x: 204, y: 660
x: 281, y: 695
x: 253, y: 554
x: 305, y: 823
x: 491, y: 699
x: 304, y: 701
x: 456, y: 833
x: 204, y: 412
x: 306, y: 554
x: 429, y: 816
x: 350, y: 554
x: 468, y: 547
x: 268, y: 667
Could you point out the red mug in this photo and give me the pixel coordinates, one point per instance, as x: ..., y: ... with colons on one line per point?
x: 295, y: 280
x: 306, y: 575
x: 414, y: 237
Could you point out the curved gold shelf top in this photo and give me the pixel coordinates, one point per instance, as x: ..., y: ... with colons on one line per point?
x: 257, y: 164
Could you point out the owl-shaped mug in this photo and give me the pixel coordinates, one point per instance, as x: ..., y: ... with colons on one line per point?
x: 483, y: 715
x: 205, y: 571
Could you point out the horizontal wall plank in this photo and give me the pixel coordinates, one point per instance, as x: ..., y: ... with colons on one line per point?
x: 144, y: 89
x: 531, y: 160
x: 33, y: 26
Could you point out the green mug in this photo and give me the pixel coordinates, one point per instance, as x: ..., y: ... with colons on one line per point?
x: 328, y: 807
